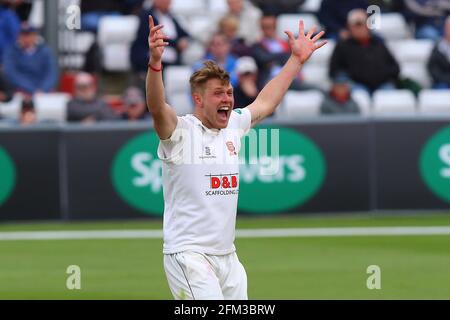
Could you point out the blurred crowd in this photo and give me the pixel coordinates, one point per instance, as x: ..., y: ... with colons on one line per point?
x: 244, y: 41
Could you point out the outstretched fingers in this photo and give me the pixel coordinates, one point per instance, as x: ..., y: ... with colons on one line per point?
x: 318, y: 36
x: 311, y: 32
x: 290, y: 35
x: 159, y: 43
x: 160, y: 37
x: 301, y: 29
x: 320, y: 45
x: 155, y: 30
x: 151, y: 23
x: 158, y: 40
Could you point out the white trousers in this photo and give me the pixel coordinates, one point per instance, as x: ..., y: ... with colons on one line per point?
x: 197, y: 276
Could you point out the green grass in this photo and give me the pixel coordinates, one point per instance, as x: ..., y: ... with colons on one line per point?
x: 412, y: 267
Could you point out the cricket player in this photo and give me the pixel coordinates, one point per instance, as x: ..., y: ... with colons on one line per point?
x: 199, y: 152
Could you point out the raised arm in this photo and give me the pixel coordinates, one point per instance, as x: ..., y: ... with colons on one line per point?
x: 164, y: 117
x: 271, y: 95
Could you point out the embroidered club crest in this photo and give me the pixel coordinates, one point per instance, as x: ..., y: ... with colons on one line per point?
x: 231, y: 148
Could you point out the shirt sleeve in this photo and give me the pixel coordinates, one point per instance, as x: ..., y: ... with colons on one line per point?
x: 170, y: 150
x: 243, y: 120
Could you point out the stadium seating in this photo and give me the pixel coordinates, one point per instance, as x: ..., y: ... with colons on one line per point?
x: 299, y: 104
x: 117, y: 29
x: 393, y: 26
x: 116, y: 57
x: 176, y: 79
x: 411, y: 50
x: 83, y: 41
x: 412, y: 56
x: 416, y: 71
x: 12, y: 108
x: 193, y: 53
x: 115, y: 35
x: 316, y: 74
x: 311, y: 6
x: 198, y: 25
x: 434, y: 102
x: 181, y: 102
x: 217, y: 6
x: 76, y: 44
x: 188, y: 7
x: 363, y: 100
x: 290, y: 22
x: 51, y: 107
x: 36, y: 17
x: 323, y: 55
x: 394, y: 102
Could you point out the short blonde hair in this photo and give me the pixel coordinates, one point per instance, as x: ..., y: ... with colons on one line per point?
x: 228, y: 21
x: 210, y: 70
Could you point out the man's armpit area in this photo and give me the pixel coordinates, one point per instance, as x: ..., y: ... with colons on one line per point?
x: 170, y: 148
x: 177, y: 132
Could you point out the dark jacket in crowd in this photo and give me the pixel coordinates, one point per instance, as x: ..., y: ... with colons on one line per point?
x: 279, y: 6
x: 241, y: 99
x: 389, y: 5
x: 123, y: 6
x: 5, y: 89
x: 104, y: 6
x: 439, y: 66
x: 371, y: 65
x: 9, y: 28
x: 266, y: 60
x: 333, y: 14
x: 78, y: 110
x: 139, y: 49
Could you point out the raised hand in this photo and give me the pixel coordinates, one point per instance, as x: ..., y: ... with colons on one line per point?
x: 156, y: 41
x: 304, y: 46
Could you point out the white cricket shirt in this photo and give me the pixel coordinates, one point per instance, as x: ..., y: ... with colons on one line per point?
x: 201, y: 184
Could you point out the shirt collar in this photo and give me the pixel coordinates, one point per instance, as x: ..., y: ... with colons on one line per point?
x: 199, y: 123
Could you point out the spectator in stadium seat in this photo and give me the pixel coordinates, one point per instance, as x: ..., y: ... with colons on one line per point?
x: 86, y: 106
x: 428, y: 17
x: 9, y: 27
x: 229, y: 26
x: 5, y: 89
x: 135, y: 106
x: 27, y: 111
x: 248, y: 16
x: 439, y: 62
x: 247, y: 89
x: 333, y: 16
x: 178, y: 37
x: 219, y: 48
x: 277, y: 7
x: 339, y: 100
x: 364, y: 58
x: 271, y: 53
x: 30, y: 65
